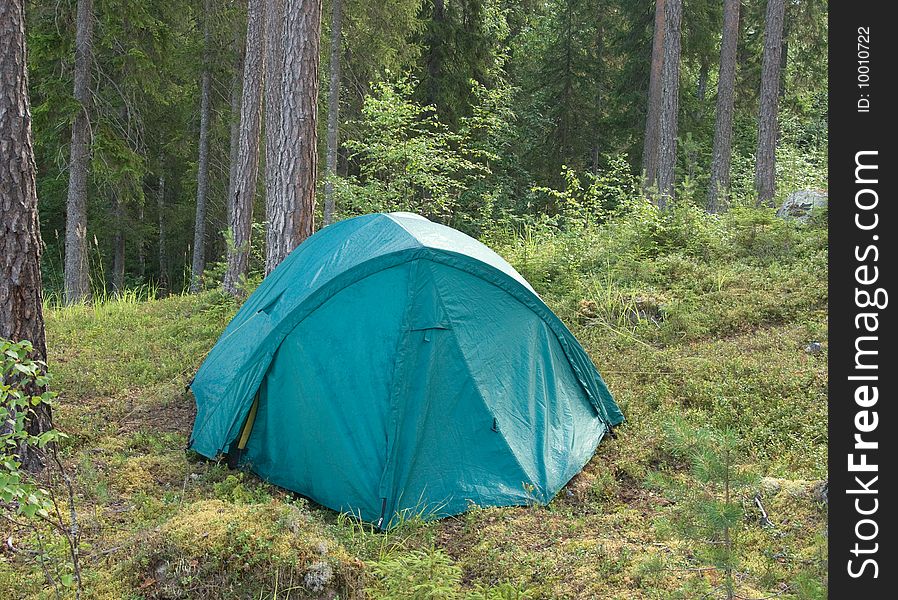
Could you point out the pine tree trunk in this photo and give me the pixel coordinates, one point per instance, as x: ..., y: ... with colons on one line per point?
x: 718, y: 189
x: 163, y: 255
x: 21, y: 306
x: 118, y: 244
x: 275, y: 183
x: 198, y: 264
x: 765, y: 166
x: 234, y: 147
x: 333, y: 109
x: 247, y: 173
x: 141, y: 246
x: 653, y: 105
x: 77, y: 287
x: 291, y: 216
x: 433, y: 59
x: 667, y: 120
x: 784, y: 52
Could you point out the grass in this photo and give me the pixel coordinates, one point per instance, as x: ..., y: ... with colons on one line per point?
x: 716, y: 333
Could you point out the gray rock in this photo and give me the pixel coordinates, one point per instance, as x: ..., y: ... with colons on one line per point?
x: 813, y: 348
x: 318, y: 576
x: 799, y: 205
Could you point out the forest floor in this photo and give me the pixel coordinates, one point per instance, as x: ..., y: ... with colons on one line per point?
x: 721, y: 341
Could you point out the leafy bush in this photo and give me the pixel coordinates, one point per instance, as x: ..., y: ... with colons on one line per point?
x: 24, y: 383
x: 23, y: 387
x: 591, y: 198
x: 408, y: 159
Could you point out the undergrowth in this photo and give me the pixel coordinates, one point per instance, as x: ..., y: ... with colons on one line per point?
x: 706, y: 320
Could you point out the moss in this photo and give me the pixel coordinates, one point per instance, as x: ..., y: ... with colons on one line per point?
x: 215, y: 549
x: 148, y: 473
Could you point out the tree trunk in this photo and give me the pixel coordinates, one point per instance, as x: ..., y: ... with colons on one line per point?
x: 141, y: 244
x: 653, y: 105
x: 718, y: 189
x: 765, y: 165
x: 198, y: 264
x: 236, y: 81
x: 433, y: 59
x: 333, y: 109
x: 247, y: 173
x: 77, y: 282
x: 784, y: 52
x: 21, y: 306
x: 163, y: 255
x: 291, y: 216
x: 118, y: 244
x: 275, y: 183
x: 667, y: 120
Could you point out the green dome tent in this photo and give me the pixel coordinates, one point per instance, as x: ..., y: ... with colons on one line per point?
x: 392, y: 364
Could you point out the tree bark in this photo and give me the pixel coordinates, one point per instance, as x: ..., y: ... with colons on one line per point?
x: 784, y: 52
x: 118, y: 244
x: 718, y: 189
x: 653, y: 104
x: 247, y: 172
x: 433, y: 59
x: 77, y: 282
x: 21, y: 306
x: 163, y: 254
x: 765, y: 165
x: 275, y: 183
x: 667, y: 119
x: 141, y: 243
x: 234, y: 147
x: 333, y: 108
x: 198, y: 264
x: 291, y: 216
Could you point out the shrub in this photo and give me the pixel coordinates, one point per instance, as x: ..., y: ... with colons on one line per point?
x: 25, y: 501
x: 408, y: 159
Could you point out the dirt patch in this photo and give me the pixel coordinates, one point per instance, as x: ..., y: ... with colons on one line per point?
x: 164, y: 413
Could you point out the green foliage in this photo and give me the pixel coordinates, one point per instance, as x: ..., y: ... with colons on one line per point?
x: 235, y: 489
x: 462, y: 41
x: 145, y: 98
x: 430, y: 575
x: 408, y: 159
x: 468, y: 111
x: 710, y: 509
x: 26, y: 501
x: 589, y: 198
x: 521, y: 123
x: 23, y: 387
x: 715, y: 335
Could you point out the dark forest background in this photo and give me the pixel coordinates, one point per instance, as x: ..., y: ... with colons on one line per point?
x: 468, y: 111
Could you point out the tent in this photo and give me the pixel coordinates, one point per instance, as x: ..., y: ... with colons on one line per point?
x: 393, y: 366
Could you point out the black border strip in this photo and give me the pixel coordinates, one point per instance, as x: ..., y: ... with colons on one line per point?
x: 862, y: 44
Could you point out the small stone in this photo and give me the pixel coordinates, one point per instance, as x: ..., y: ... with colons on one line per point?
x: 813, y: 348
x: 318, y: 576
